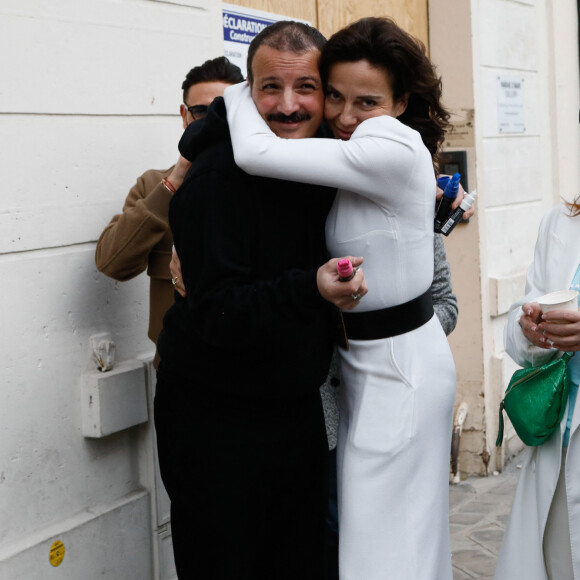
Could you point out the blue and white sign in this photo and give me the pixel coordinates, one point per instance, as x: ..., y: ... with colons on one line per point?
x: 240, y: 25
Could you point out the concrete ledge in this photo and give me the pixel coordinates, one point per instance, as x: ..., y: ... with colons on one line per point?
x: 109, y: 541
x: 503, y: 292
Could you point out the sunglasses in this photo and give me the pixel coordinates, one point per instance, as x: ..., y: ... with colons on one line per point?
x: 197, y: 111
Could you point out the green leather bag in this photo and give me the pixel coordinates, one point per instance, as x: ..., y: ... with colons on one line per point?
x: 535, y: 400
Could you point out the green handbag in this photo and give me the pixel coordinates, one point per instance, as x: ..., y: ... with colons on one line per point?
x: 535, y: 400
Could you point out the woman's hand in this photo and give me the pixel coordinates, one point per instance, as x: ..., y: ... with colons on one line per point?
x: 529, y: 322
x: 345, y: 295
x: 561, y: 329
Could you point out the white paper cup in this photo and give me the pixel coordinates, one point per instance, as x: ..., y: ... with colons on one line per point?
x: 559, y: 300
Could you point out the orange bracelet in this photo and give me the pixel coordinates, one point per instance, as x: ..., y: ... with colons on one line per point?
x: 168, y: 185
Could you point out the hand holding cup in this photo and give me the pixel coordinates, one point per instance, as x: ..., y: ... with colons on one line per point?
x: 560, y: 320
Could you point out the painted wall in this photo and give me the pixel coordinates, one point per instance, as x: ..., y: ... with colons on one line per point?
x: 89, y: 99
x: 523, y: 175
x: 518, y: 178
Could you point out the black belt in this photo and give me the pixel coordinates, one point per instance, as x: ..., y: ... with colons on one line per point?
x: 391, y: 321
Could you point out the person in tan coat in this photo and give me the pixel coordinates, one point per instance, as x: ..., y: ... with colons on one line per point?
x: 139, y: 238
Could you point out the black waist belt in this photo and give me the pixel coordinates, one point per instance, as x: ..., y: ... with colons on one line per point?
x: 391, y: 321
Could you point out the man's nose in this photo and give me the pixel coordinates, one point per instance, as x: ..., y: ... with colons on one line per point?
x: 289, y: 102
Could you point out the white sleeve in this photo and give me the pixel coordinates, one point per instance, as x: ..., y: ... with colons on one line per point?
x: 521, y: 350
x: 381, y: 151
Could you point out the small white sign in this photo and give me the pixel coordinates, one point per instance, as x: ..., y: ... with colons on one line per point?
x: 510, y: 104
x: 240, y: 25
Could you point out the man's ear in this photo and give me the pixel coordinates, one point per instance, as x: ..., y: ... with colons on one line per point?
x: 183, y: 113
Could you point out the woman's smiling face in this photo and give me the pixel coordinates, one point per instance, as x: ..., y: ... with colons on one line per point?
x: 357, y: 91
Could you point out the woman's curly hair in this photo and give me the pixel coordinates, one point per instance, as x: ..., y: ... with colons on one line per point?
x: 411, y: 74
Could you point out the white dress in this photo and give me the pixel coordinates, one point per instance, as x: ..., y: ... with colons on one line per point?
x: 397, y: 402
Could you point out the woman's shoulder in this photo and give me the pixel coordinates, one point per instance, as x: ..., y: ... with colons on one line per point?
x: 557, y: 212
x: 558, y: 220
x: 403, y: 144
x: 387, y: 127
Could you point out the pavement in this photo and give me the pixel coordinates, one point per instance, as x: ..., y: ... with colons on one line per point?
x: 479, y: 511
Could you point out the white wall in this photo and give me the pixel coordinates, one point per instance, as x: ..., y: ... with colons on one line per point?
x: 518, y: 178
x: 565, y: 96
x: 89, y: 99
x: 521, y: 175
x: 514, y: 169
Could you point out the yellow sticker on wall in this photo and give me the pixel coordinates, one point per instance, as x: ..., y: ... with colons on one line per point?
x: 56, y: 554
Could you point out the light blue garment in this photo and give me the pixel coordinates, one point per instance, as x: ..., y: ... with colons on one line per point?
x: 574, y: 373
x: 571, y: 401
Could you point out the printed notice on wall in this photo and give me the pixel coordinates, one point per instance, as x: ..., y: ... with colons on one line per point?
x: 240, y: 26
x: 510, y: 104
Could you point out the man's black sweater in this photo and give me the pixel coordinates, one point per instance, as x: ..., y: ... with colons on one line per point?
x: 253, y: 322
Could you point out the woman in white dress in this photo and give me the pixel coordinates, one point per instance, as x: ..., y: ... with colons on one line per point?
x: 542, y: 539
x: 383, y: 107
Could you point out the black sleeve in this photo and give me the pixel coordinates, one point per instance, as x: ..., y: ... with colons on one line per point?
x: 237, y: 294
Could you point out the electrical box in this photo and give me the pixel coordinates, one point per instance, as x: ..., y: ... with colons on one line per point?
x: 114, y: 400
x: 451, y: 162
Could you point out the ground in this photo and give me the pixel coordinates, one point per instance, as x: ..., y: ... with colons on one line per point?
x: 479, y: 511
